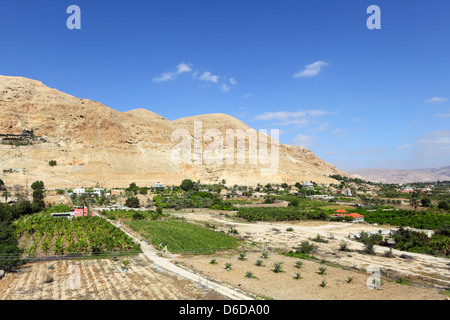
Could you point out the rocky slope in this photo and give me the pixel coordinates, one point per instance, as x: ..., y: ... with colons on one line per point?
x: 96, y: 145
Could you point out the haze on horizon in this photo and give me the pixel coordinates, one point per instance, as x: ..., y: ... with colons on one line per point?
x: 358, y: 98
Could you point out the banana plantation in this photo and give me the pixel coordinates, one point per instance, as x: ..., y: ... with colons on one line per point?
x: 42, y: 234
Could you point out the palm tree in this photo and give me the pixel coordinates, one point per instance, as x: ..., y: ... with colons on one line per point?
x: 414, y: 203
x: 84, y: 200
x: 6, y: 194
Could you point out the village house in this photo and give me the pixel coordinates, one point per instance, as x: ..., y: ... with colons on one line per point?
x: 408, y: 189
x: 308, y: 184
x: 159, y: 185
x: 344, y: 213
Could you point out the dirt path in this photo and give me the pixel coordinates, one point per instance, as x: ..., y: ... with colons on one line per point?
x: 167, y: 264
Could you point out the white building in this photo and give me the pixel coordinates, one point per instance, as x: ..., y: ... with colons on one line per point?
x: 97, y: 191
x: 79, y: 191
x: 308, y: 184
x: 159, y: 185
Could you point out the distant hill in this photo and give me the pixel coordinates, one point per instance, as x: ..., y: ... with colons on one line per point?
x: 403, y: 175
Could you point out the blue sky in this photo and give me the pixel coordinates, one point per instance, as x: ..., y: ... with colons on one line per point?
x: 358, y: 98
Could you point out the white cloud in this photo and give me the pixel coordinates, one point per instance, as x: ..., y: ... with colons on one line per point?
x: 182, y: 68
x: 286, y: 115
x: 437, y: 139
x: 225, y: 88
x: 322, y: 127
x: 292, y: 117
x: 370, y: 151
x: 304, y: 140
x: 311, y: 70
x: 248, y: 95
x: 443, y: 115
x: 209, y: 77
x: 404, y: 147
x: 432, y: 150
x: 436, y: 100
x: 340, y: 133
x: 166, y: 76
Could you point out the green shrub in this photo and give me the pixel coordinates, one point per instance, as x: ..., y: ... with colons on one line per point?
x: 137, y: 215
x: 277, y: 267
x: 132, y: 202
x: 306, y: 247
x: 48, y: 279
x: 297, y: 276
x: 242, y: 256
x: 343, y: 246
x: 318, y: 238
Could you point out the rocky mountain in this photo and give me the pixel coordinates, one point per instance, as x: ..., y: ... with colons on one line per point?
x: 403, y: 175
x: 93, y: 144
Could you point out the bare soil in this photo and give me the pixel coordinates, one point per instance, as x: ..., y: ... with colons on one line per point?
x: 283, y: 286
x: 98, y: 280
x: 427, y: 275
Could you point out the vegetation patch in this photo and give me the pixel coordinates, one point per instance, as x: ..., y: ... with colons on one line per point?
x: 183, y: 237
x: 42, y: 234
x: 132, y: 214
x: 280, y: 214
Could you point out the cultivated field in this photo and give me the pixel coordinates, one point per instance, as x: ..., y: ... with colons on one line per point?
x: 182, y: 237
x: 98, y: 280
x: 283, y: 286
x: 418, y: 268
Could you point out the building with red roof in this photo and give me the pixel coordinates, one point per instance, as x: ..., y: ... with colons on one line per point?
x: 343, y: 213
x: 82, y: 212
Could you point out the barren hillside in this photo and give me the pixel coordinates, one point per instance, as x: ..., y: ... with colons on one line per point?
x: 403, y: 176
x: 96, y: 145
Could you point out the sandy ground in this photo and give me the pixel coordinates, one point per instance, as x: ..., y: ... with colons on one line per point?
x: 283, y: 286
x: 421, y: 268
x: 98, y: 280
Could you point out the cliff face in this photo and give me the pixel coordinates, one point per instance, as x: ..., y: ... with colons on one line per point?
x: 96, y: 145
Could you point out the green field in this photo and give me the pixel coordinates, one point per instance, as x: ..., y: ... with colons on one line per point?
x: 183, y: 237
x: 41, y: 234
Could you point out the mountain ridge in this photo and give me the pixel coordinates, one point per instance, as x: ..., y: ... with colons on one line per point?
x: 402, y: 175
x: 94, y: 144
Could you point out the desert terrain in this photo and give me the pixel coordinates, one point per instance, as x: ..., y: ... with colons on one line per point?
x: 427, y: 275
